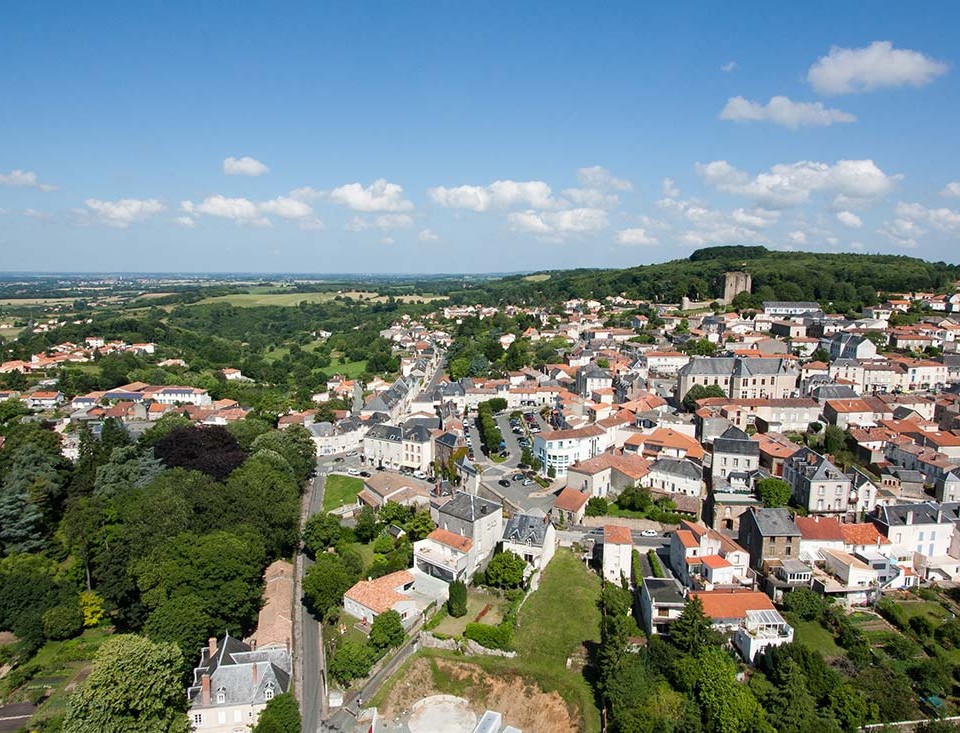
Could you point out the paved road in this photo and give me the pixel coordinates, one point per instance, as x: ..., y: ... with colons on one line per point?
x: 313, y: 683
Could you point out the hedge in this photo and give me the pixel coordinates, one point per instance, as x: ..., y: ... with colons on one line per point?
x: 492, y: 637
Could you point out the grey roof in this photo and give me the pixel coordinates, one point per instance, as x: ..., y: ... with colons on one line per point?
x: 775, y: 522
x: 834, y: 392
x: 735, y: 441
x: 706, y: 366
x: 801, y: 304
x: 814, y: 466
x: 678, y: 467
x: 893, y: 515
x: 469, y: 507
x: 951, y: 510
x: 448, y: 439
x: 525, y: 529
x: 241, y: 674
x: 664, y: 590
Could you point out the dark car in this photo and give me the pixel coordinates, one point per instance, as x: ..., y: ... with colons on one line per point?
x: 518, y: 477
x: 503, y: 482
x: 365, y: 474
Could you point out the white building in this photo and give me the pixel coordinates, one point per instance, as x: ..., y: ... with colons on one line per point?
x: 759, y: 631
x: 560, y: 449
x: 367, y: 599
x: 617, y: 553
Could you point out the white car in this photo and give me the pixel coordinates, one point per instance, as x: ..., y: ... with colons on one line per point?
x: 353, y: 471
x: 419, y: 474
x: 527, y: 482
x: 649, y: 533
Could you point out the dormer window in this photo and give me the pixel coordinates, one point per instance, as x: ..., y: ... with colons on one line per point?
x: 268, y: 693
x: 221, y: 695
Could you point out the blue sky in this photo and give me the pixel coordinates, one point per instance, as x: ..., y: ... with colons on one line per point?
x: 454, y: 137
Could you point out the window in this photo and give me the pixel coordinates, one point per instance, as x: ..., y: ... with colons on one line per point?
x: 198, y: 719
x: 787, y: 552
x: 268, y: 693
x: 221, y: 698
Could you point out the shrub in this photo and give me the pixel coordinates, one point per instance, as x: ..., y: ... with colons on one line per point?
x: 492, y: 637
x: 62, y: 622
x: 655, y: 567
x: 805, y: 603
x: 597, y: 507
x: 457, y: 600
x: 922, y: 626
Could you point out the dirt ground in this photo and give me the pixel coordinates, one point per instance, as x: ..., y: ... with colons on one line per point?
x: 521, y: 703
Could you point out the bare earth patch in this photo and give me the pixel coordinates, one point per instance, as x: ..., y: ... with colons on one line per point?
x: 521, y: 703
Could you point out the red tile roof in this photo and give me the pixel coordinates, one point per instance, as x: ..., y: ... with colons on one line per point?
x: 451, y: 539
x: 732, y: 604
x: 617, y: 535
x: 571, y: 500
x: 823, y: 529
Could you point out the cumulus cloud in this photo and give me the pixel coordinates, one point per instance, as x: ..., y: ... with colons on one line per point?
x: 497, y: 195
x: 187, y: 222
x: 638, y: 236
x: 428, y: 235
x: 848, y: 70
x: 36, y: 214
x: 943, y: 219
x: 791, y: 184
x: 245, y: 211
x: 784, y: 111
x: 849, y: 219
x: 383, y: 222
x: 307, y: 193
x: 668, y: 188
x: 599, y: 177
x: 757, y: 218
x: 729, y: 66
x: 245, y: 166
x: 121, y: 214
x: 951, y: 190
x: 286, y: 208
x: 559, y: 223
x: 591, y: 198
x: 25, y: 179
x: 797, y: 237
x: 381, y: 195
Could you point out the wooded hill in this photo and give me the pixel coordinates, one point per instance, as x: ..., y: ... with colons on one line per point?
x: 847, y: 281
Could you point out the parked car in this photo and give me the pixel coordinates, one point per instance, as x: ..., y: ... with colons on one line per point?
x: 527, y: 481
x: 352, y: 454
x: 338, y: 459
x: 419, y: 474
x: 518, y: 477
x: 504, y: 483
x: 353, y: 471
x: 365, y: 474
x: 649, y: 533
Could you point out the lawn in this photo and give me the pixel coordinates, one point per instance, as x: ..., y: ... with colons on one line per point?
x: 364, y: 550
x: 477, y: 601
x: 255, y: 300
x: 340, y: 490
x: 815, y: 636
x: 350, y: 369
x: 932, y: 610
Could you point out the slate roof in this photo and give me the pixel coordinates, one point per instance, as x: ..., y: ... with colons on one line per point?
x: 735, y: 441
x: 895, y: 515
x: 469, y: 507
x: 677, y: 467
x: 775, y: 522
x: 525, y: 529
x: 664, y: 590
x: 241, y: 674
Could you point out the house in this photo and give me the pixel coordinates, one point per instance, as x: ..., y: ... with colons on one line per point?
x: 817, y: 484
x: 42, y: 400
x: 445, y: 555
x: 560, y: 449
x: 472, y: 516
x: 768, y: 534
x: 759, y: 630
x: 790, y: 308
x: 845, y: 577
x: 275, y: 621
x: 704, y: 558
x: 849, y: 346
x: 734, y: 452
x: 617, y: 553
x: 948, y: 487
x: 661, y: 603
x: 591, y: 378
x: 740, y: 377
x: 844, y: 413
x: 367, y: 599
x: 674, y: 476
x: 234, y: 682
x: 728, y: 608
x: 920, y: 533
x: 570, y: 506
x: 607, y: 474
x: 395, y: 447
x: 775, y: 448
x: 531, y: 537
x: 382, y: 487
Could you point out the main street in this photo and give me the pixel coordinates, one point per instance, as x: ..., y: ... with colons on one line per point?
x: 313, y: 682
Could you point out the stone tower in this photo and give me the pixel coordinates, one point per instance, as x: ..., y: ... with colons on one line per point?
x: 734, y: 283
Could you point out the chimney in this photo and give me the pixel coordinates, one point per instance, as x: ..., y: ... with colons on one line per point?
x: 939, y: 516
x: 205, y: 690
x: 212, y: 646
x: 253, y: 673
x: 909, y: 516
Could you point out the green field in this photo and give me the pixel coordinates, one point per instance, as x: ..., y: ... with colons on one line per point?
x: 257, y: 299
x: 537, y: 278
x: 477, y: 601
x: 350, y: 369
x: 340, y: 490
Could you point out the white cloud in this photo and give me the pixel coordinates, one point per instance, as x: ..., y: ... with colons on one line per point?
x: 498, y: 195
x: 943, y: 219
x: 951, y: 190
x: 383, y: 222
x: 286, y: 208
x: 559, y: 223
x: 790, y: 184
x: 901, y: 232
x: 599, y: 177
x: 668, y: 188
x: 757, y: 218
x: 36, y: 214
x: 848, y: 70
x: 253, y: 213
x: 124, y: 212
x: 25, y: 179
x: 187, y: 222
x: 380, y: 195
x: 592, y: 198
x: 307, y: 193
x: 797, y: 237
x: 387, y: 240
x: 729, y: 66
x: 637, y: 236
x: 849, y: 219
x: 784, y: 111
x: 427, y: 235
x: 245, y: 166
